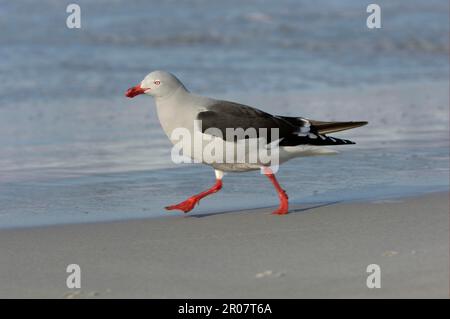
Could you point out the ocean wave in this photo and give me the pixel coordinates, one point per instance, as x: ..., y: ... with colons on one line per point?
x: 159, y: 41
x: 282, y: 37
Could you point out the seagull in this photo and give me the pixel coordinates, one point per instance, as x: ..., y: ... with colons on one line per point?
x: 178, y: 108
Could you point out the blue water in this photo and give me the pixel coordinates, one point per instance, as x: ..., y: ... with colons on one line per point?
x: 73, y: 149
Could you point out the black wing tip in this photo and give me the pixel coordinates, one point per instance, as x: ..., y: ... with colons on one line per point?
x: 339, y: 141
x: 321, y: 140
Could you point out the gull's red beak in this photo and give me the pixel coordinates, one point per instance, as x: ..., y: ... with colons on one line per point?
x: 135, y: 90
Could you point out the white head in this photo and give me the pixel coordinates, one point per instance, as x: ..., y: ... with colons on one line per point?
x: 156, y: 84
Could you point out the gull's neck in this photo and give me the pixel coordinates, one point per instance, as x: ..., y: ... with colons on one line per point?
x: 173, y: 111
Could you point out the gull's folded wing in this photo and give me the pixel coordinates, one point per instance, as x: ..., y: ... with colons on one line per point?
x: 223, y: 115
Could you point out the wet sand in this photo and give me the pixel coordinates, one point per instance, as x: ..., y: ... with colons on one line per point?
x: 316, y: 251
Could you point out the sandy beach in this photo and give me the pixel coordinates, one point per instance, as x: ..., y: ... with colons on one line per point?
x: 316, y: 251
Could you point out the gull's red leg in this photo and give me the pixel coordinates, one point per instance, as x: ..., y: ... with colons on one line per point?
x: 190, y: 203
x: 284, y: 204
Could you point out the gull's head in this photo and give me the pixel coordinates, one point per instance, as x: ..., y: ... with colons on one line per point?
x: 156, y: 84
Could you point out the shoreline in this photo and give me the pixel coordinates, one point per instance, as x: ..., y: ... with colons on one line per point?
x: 316, y: 251
x: 309, y: 201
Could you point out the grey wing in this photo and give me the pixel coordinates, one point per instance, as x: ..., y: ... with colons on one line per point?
x: 223, y: 117
x: 233, y: 121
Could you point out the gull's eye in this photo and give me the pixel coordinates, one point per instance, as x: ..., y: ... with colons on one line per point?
x: 157, y: 82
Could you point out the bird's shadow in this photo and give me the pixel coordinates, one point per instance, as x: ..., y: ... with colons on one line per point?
x: 292, y: 211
